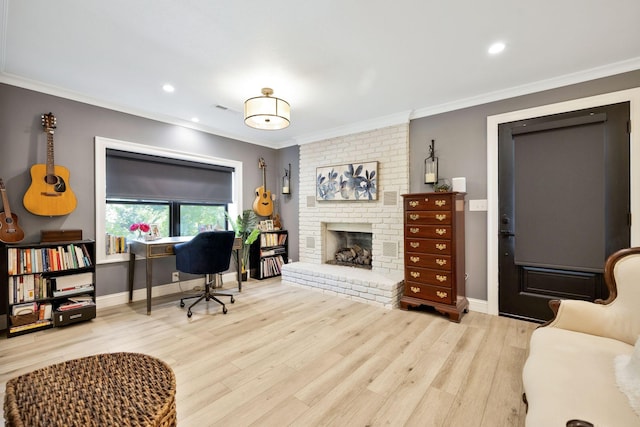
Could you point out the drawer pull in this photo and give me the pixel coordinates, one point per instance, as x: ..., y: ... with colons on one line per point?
x: 441, y: 246
x: 415, y: 274
x: 441, y: 203
x: 415, y: 259
x: 414, y: 217
x: 441, y: 294
x: 414, y: 203
x: 441, y: 217
x: 414, y: 230
x: 415, y: 289
x: 441, y: 231
x: 414, y: 245
x: 441, y: 278
x: 441, y: 262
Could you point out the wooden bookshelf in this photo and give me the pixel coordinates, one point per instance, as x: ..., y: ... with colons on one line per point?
x: 46, y: 285
x: 268, y: 253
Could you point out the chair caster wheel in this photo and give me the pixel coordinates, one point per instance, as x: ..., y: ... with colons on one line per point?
x: 189, y: 314
x: 224, y: 310
x: 181, y: 303
x: 232, y: 300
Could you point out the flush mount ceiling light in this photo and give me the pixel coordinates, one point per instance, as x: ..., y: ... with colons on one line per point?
x: 267, y: 112
x: 496, y: 48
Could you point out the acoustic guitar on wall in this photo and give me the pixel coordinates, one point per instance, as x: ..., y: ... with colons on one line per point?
x: 10, y: 231
x: 49, y: 193
x: 263, y: 205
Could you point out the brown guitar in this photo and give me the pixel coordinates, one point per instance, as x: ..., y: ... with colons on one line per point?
x: 10, y: 231
x: 263, y: 205
x: 49, y: 193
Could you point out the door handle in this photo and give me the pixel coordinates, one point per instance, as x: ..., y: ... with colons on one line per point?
x: 506, y: 233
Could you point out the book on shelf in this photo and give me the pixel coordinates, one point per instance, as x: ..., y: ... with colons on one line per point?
x: 272, y: 239
x: 27, y: 288
x: 71, y: 305
x: 51, y: 258
x: 28, y: 326
x: 116, y: 244
x: 46, y: 311
x: 271, y: 266
x: 73, y: 291
x: 73, y: 281
x: 81, y: 298
x: 271, y: 252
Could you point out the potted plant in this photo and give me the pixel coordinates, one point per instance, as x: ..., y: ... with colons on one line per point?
x: 245, y: 228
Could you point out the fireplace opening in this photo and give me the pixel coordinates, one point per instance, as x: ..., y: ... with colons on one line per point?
x: 351, y: 248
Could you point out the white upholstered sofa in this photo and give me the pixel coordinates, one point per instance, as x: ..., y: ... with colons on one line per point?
x: 583, y: 364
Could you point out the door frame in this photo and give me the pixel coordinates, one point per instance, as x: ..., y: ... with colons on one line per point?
x: 631, y: 95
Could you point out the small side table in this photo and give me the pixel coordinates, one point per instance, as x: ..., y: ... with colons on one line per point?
x: 114, y: 389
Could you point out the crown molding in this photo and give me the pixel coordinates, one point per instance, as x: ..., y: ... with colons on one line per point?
x: 40, y: 87
x: 539, y: 86
x: 358, y: 127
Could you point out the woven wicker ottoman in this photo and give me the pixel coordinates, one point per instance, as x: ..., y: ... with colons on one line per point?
x: 113, y: 389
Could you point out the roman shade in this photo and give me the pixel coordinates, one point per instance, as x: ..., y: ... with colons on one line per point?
x: 148, y: 177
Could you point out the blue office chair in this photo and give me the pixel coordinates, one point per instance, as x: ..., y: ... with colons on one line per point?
x: 208, y: 253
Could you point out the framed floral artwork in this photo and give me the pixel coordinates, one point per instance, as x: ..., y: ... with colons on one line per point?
x: 352, y: 181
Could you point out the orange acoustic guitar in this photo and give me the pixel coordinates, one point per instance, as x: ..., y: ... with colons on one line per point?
x: 49, y: 193
x: 10, y: 231
x: 263, y: 205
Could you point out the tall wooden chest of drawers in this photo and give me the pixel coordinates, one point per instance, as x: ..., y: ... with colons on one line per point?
x: 434, y: 269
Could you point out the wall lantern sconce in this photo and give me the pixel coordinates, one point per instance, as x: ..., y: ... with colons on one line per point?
x: 286, y: 181
x: 431, y: 166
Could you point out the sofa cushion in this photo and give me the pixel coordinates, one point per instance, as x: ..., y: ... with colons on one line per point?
x: 570, y: 375
x: 628, y: 376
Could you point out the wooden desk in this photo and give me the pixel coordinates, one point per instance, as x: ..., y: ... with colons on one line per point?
x: 161, y: 248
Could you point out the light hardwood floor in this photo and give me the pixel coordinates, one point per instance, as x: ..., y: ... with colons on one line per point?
x: 285, y: 355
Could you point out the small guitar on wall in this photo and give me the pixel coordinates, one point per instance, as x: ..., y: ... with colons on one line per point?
x: 10, y: 231
x: 263, y: 205
x: 49, y: 193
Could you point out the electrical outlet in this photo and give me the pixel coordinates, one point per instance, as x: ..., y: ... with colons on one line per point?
x: 175, y: 276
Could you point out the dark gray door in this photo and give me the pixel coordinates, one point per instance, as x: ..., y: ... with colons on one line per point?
x: 564, y: 206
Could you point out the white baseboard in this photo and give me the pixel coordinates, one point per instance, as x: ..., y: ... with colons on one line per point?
x: 120, y: 298
x: 478, y: 305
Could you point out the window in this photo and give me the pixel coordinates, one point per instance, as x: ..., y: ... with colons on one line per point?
x: 181, y: 193
x: 172, y: 218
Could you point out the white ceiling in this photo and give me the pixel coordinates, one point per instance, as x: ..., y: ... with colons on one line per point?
x: 343, y: 65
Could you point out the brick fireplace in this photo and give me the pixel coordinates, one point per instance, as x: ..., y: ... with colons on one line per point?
x: 382, y: 285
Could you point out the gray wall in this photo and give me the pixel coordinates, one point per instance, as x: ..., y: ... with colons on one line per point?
x: 461, y: 147
x: 288, y: 205
x: 23, y: 144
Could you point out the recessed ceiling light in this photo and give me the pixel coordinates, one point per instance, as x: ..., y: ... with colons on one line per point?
x: 195, y: 119
x: 168, y: 88
x: 496, y: 48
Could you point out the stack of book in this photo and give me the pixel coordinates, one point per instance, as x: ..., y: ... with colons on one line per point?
x: 274, y: 251
x: 27, y: 288
x: 271, y: 266
x: 75, y: 302
x: 272, y: 239
x: 116, y: 244
x: 38, y: 260
x: 72, y: 284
